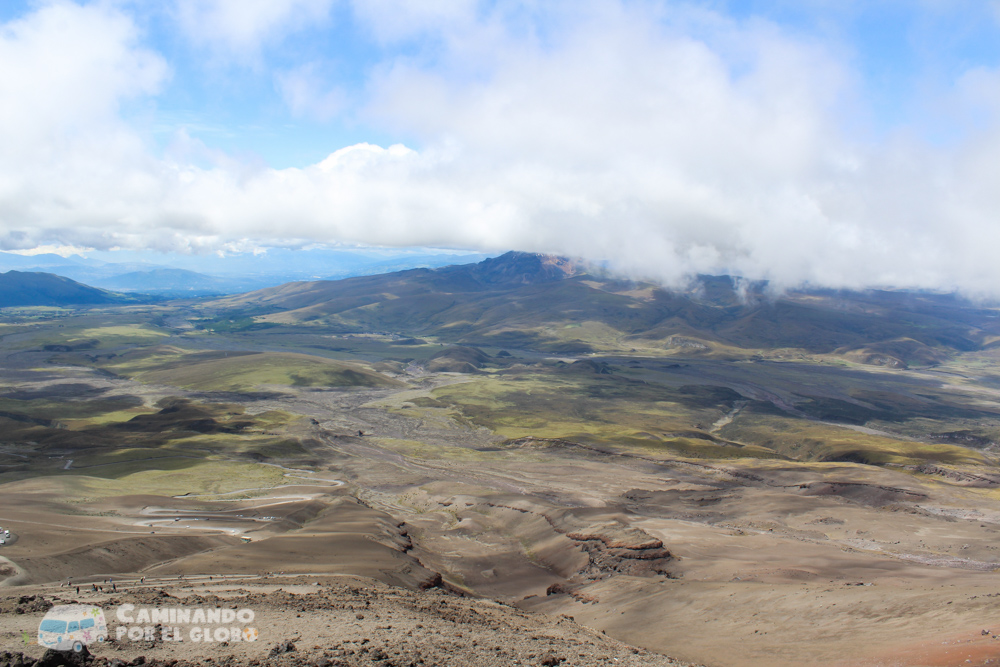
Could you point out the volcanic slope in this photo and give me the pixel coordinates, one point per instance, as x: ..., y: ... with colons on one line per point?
x: 677, y: 469
x: 539, y: 302
x: 27, y: 288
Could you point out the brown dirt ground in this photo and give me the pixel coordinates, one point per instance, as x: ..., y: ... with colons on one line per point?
x: 347, y: 621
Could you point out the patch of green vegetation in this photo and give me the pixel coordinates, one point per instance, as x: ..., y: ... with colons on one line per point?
x: 33, y: 313
x: 61, y: 409
x: 149, y: 461
x: 427, y: 402
x: 177, y: 436
x: 90, y: 336
x: 107, y: 418
x: 239, y: 445
x: 278, y: 449
x: 428, y: 451
x: 597, y: 336
x: 238, y: 325
x: 811, y: 441
x: 612, y: 411
x: 204, y: 477
x: 698, y: 448
x: 241, y: 371
x: 273, y: 419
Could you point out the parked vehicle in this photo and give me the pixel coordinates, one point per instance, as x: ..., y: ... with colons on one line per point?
x: 72, y: 626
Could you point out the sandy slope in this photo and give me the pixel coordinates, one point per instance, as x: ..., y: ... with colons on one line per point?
x: 339, y: 621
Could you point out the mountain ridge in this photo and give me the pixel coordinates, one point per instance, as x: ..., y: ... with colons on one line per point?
x: 533, y: 301
x: 29, y: 288
x: 225, y: 274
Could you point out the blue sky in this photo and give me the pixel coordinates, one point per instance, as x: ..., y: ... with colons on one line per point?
x: 234, y: 101
x: 903, y: 53
x: 666, y: 137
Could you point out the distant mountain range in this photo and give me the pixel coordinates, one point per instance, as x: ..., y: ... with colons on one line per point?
x: 203, y: 275
x: 20, y: 288
x: 178, y: 282
x: 554, y: 305
x: 538, y: 302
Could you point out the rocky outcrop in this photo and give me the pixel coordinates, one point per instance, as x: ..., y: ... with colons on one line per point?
x: 612, y: 545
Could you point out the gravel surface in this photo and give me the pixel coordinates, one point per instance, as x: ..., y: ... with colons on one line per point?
x: 341, y: 621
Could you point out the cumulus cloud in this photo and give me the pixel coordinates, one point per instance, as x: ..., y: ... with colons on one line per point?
x: 666, y: 139
x: 64, y: 72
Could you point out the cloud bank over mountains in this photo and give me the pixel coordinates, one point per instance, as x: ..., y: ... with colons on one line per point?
x: 666, y: 138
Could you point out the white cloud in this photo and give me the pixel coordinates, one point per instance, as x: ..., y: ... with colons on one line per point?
x: 667, y: 140
x: 65, y: 69
x: 241, y: 27
x: 61, y: 250
x: 64, y: 72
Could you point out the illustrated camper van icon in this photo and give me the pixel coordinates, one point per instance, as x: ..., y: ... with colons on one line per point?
x: 72, y: 626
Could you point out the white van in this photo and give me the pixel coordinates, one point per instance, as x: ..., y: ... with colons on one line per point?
x: 72, y: 626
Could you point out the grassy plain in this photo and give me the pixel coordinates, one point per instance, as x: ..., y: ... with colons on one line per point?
x: 91, y: 334
x: 235, y: 371
x: 596, y: 410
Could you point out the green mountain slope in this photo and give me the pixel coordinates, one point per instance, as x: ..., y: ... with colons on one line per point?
x: 551, y: 304
x: 19, y: 288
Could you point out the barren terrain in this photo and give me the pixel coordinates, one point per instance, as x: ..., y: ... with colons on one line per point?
x: 328, y: 621
x: 783, y: 507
